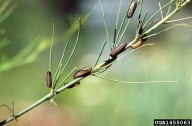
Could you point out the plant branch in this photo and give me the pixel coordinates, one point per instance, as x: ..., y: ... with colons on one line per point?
x: 167, y: 17
x: 45, y: 98
x: 100, y: 68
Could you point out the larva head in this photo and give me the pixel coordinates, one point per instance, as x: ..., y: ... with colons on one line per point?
x: 49, y: 79
x: 132, y: 9
x: 119, y: 49
x: 82, y: 72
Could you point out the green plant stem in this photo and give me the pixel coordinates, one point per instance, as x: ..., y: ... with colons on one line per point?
x: 162, y: 21
x: 156, y: 13
x: 104, y: 43
x: 45, y: 98
x: 73, y: 50
x: 167, y: 17
x: 117, y: 43
x: 117, y: 19
x: 105, y: 23
x: 121, y: 26
x: 51, y: 48
x: 186, y: 25
x: 51, y: 95
x: 144, y: 82
x: 155, y: 26
x: 65, y: 78
x: 7, y: 108
x: 57, y: 73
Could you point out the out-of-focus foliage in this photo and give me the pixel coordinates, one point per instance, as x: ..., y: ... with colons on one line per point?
x: 30, y: 53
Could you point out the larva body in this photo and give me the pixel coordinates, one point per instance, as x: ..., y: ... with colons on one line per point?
x: 132, y: 9
x: 82, y: 72
x: 49, y: 79
x: 137, y: 44
x: 119, y: 49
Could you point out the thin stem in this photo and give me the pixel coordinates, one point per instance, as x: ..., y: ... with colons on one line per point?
x: 150, y: 44
x: 121, y: 26
x: 152, y: 35
x: 45, y: 98
x: 123, y: 32
x: 160, y: 9
x: 178, y: 19
x: 157, y: 12
x: 77, y: 40
x: 102, y: 48
x: 7, y: 108
x: 103, y: 66
x: 13, y: 108
x: 66, y: 78
x: 57, y: 73
x: 153, y: 21
x: 68, y: 85
x: 117, y: 19
x: 136, y: 56
x: 144, y: 82
x: 105, y: 23
x: 168, y: 10
x: 114, y: 38
x: 166, y: 18
x: 141, y: 8
x: 141, y: 25
x: 50, y: 54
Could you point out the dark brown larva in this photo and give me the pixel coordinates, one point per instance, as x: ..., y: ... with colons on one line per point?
x: 120, y: 48
x: 82, y: 72
x: 138, y: 44
x: 132, y: 9
x: 49, y: 79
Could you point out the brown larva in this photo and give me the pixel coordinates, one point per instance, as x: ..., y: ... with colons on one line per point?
x: 120, y: 48
x: 82, y: 72
x: 138, y: 43
x: 49, y: 79
x: 132, y: 9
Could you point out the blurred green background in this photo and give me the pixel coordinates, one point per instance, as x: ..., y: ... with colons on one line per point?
x: 95, y: 102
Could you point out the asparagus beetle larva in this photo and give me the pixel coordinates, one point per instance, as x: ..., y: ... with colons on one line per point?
x: 132, y: 9
x: 138, y: 43
x: 82, y: 72
x: 49, y: 79
x: 120, y: 48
